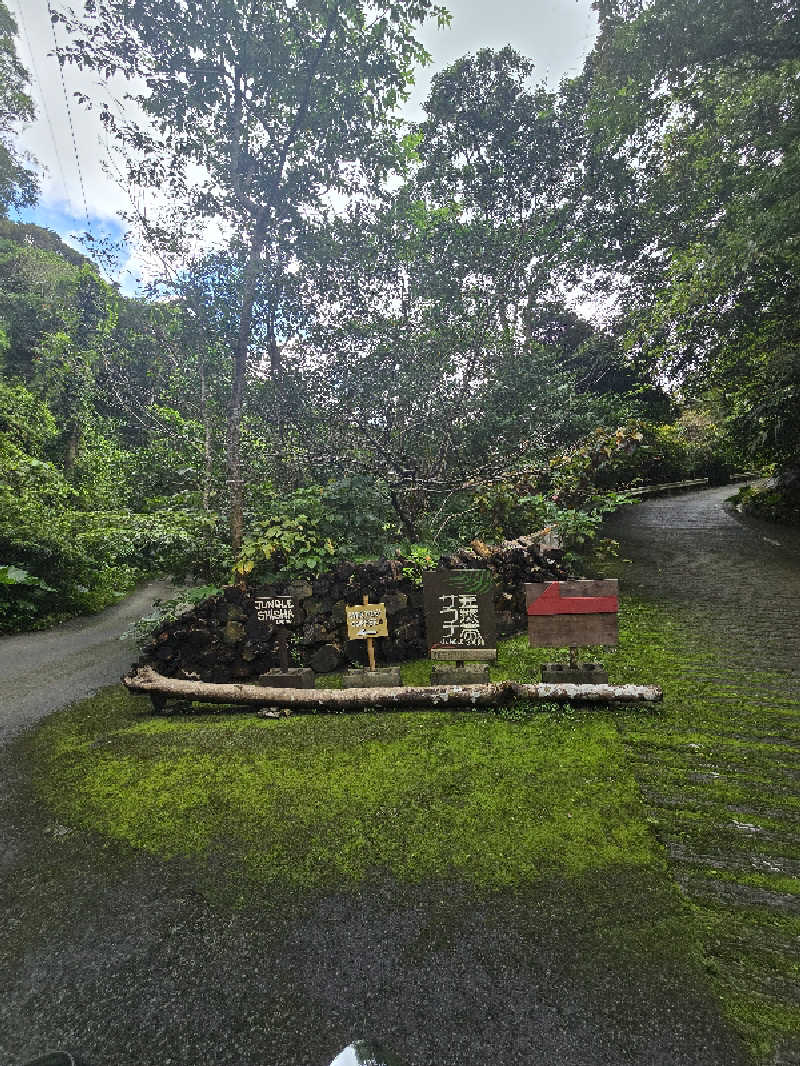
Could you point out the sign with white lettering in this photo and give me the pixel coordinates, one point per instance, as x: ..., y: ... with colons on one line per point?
x: 459, y: 614
x: 277, y: 610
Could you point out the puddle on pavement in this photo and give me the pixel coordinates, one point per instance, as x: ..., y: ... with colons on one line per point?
x: 363, y: 1053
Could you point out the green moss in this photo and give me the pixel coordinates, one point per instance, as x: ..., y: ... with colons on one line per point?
x: 416, y: 673
x: 311, y: 802
x: 762, y: 1022
x: 718, y: 706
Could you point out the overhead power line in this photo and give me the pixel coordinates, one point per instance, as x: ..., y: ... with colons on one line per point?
x: 69, y: 116
x: 38, y: 81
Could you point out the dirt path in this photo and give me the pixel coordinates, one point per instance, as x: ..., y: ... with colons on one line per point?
x: 40, y: 672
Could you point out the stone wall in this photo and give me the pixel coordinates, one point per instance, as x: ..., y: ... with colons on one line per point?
x: 222, y: 640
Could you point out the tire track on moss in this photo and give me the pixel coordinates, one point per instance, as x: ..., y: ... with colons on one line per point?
x: 720, y: 769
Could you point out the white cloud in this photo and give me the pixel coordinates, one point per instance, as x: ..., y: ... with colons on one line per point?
x: 50, y: 139
x: 556, y: 34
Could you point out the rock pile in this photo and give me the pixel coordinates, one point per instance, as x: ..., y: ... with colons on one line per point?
x: 221, y: 640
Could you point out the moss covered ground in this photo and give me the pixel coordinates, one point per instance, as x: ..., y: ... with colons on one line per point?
x: 309, y: 803
x: 701, y: 793
x: 719, y: 772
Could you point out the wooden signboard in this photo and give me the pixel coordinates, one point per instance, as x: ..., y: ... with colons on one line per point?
x: 276, y: 610
x: 459, y: 614
x: 570, y: 614
x: 368, y: 620
x: 365, y: 623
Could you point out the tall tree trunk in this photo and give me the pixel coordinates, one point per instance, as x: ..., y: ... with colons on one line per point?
x: 239, y: 360
x: 71, y: 446
x: 207, y: 454
x: 406, y: 520
x: 272, y: 345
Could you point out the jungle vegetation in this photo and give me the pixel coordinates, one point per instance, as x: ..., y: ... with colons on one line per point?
x: 410, y: 334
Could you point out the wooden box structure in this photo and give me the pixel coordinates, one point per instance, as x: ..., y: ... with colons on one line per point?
x: 571, y: 614
x: 292, y: 677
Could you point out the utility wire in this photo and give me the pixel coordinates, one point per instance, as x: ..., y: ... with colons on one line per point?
x: 37, y: 79
x: 69, y: 116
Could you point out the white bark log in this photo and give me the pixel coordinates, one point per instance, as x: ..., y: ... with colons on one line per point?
x: 443, y: 697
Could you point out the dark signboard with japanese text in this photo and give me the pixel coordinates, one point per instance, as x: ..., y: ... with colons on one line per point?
x: 459, y: 614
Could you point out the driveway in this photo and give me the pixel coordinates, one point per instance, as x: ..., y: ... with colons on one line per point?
x: 40, y: 672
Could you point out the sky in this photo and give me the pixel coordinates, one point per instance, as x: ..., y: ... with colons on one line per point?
x: 69, y: 143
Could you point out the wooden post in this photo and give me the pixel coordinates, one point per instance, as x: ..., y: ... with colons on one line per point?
x: 159, y: 701
x: 283, y: 648
x: 370, y: 645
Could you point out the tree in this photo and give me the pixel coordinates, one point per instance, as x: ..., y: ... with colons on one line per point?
x: 57, y: 314
x: 18, y: 185
x: 258, y: 111
x: 439, y: 354
x: 502, y: 153
x: 28, y: 234
x: 694, y: 115
x: 407, y: 371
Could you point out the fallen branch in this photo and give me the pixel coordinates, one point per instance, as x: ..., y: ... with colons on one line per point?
x: 443, y: 697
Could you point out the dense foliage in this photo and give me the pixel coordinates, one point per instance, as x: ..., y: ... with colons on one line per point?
x: 693, y: 110
x: 399, y: 366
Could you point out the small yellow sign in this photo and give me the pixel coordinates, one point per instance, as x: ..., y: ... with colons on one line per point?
x: 366, y: 621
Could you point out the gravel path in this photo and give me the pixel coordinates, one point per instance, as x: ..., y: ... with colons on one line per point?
x: 40, y: 672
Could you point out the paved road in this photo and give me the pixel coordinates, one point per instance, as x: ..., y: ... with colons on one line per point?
x: 40, y: 672
x: 742, y: 575
x: 124, y: 956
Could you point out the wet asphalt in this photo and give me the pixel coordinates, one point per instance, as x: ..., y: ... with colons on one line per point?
x: 40, y: 672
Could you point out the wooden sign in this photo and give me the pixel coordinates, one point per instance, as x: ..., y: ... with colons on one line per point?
x: 280, y: 612
x: 368, y: 620
x: 459, y: 614
x: 569, y: 614
x: 365, y: 623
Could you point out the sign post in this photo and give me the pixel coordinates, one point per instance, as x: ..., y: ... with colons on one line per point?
x: 460, y: 623
x: 573, y: 614
x: 366, y: 622
x: 279, y: 612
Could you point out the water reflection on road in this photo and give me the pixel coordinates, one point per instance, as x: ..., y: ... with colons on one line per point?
x: 363, y: 1053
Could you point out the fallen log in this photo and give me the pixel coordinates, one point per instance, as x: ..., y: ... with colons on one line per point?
x: 443, y: 697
